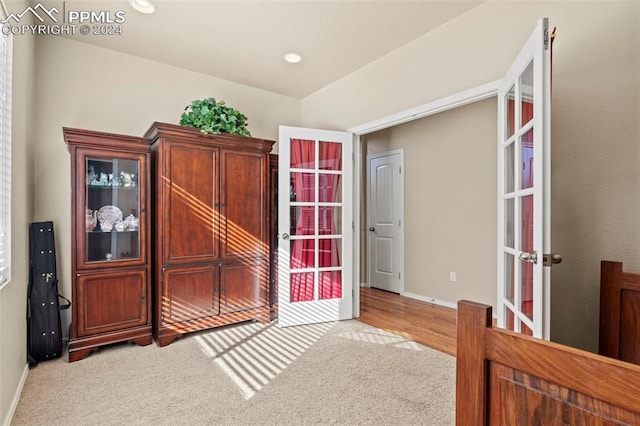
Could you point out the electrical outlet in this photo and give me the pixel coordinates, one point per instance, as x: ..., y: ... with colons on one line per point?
x: 452, y: 276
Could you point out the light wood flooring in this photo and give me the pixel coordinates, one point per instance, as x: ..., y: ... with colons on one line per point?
x: 425, y: 323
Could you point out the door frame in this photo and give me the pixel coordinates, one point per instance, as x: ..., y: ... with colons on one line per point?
x: 399, y: 151
x: 435, y: 106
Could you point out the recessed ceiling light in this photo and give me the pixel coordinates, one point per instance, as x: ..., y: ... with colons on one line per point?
x: 144, y: 6
x: 292, y: 57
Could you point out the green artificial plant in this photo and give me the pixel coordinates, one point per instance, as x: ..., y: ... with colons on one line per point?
x: 214, y: 117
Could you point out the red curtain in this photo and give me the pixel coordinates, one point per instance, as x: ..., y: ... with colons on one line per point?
x: 302, y: 252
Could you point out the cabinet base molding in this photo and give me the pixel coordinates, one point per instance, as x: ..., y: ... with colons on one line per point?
x: 166, y: 334
x: 82, y: 347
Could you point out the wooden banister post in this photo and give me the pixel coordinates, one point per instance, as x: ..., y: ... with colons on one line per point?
x: 609, y: 343
x: 473, y: 319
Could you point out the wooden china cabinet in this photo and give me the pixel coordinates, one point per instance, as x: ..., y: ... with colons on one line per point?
x: 211, y: 242
x: 110, y: 240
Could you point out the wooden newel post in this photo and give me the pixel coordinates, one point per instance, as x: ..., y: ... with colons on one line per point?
x: 471, y: 369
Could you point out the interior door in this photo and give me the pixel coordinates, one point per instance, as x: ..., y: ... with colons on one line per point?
x: 384, y: 206
x: 524, y: 208
x: 315, y: 226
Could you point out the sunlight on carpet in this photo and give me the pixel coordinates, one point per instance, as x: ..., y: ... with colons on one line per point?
x: 381, y: 337
x: 253, y: 354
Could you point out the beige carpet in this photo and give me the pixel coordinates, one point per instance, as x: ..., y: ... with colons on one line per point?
x: 336, y: 373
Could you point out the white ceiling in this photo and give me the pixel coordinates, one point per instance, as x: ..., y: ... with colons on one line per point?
x: 244, y: 41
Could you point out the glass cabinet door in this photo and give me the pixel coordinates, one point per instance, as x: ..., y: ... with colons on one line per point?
x: 112, y: 210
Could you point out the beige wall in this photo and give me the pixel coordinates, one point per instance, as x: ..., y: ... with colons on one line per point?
x: 89, y: 87
x: 450, y: 201
x: 596, y: 134
x: 13, y: 354
x: 595, y: 127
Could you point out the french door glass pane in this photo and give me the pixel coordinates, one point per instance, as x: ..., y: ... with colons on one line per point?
x: 509, y: 175
x: 525, y: 330
x: 526, y: 158
x: 526, y: 290
x: 302, y: 188
x: 510, y: 322
x: 329, y: 252
x: 329, y: 188
x: 526, y: 236
x: 330, y: 156
x: 329, y: 220
x: 509, y: 277
x: 526, y: 94
x: 303, y: 254
x: 509, y: 218
x: 330, y: 286
x: 303, y: 154
x: 511, y: 95
x: 303, y: 220
x: 302, y: 287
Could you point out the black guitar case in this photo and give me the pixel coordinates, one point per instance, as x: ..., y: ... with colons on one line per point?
x: 44, y: 331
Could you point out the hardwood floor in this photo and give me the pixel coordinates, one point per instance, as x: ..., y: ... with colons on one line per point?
x: 425, y: 323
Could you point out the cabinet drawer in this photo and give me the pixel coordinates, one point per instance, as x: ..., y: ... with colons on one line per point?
x: 110, y: 301
x: 189, y: 293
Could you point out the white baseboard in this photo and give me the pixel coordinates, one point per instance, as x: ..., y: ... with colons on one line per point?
x: 430, y: 300
x: 438, y: 302
x: 16, y: 396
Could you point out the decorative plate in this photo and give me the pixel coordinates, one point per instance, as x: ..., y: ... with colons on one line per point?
x: 109, y: 214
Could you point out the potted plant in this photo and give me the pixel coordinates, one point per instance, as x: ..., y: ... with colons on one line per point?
x: 213, y: 117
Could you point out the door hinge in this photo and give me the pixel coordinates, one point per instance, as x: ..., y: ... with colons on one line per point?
x: 353, y: 157
x: 399, y: 222
x: 546, y: 39
x: 353, y: 225
x: 550, y: 259
x: 400, y: 170
x: 398, y: 275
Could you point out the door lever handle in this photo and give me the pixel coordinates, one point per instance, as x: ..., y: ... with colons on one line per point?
x: 529, y: 257
x: 372, y: 229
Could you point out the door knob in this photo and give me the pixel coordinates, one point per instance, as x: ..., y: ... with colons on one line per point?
x: 285, y: 236
x: 528, y: 257
x: 372, y: 229
x: 551, y: 259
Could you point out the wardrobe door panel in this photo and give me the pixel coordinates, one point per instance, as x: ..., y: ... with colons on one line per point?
x: 243, y: 205
x: 190, y: 185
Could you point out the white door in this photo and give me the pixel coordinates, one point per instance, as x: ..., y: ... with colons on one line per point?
x: 315, y: 226
x: 524, y: 208
x: 385, y: 202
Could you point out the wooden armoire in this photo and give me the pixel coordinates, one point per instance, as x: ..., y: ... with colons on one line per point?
x: 211, y: 229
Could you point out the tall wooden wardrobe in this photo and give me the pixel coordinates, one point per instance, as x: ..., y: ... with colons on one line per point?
x: 211, y: 229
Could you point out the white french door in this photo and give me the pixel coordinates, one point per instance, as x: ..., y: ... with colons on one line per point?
x: 524, y: 228
x: 315, y: 234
